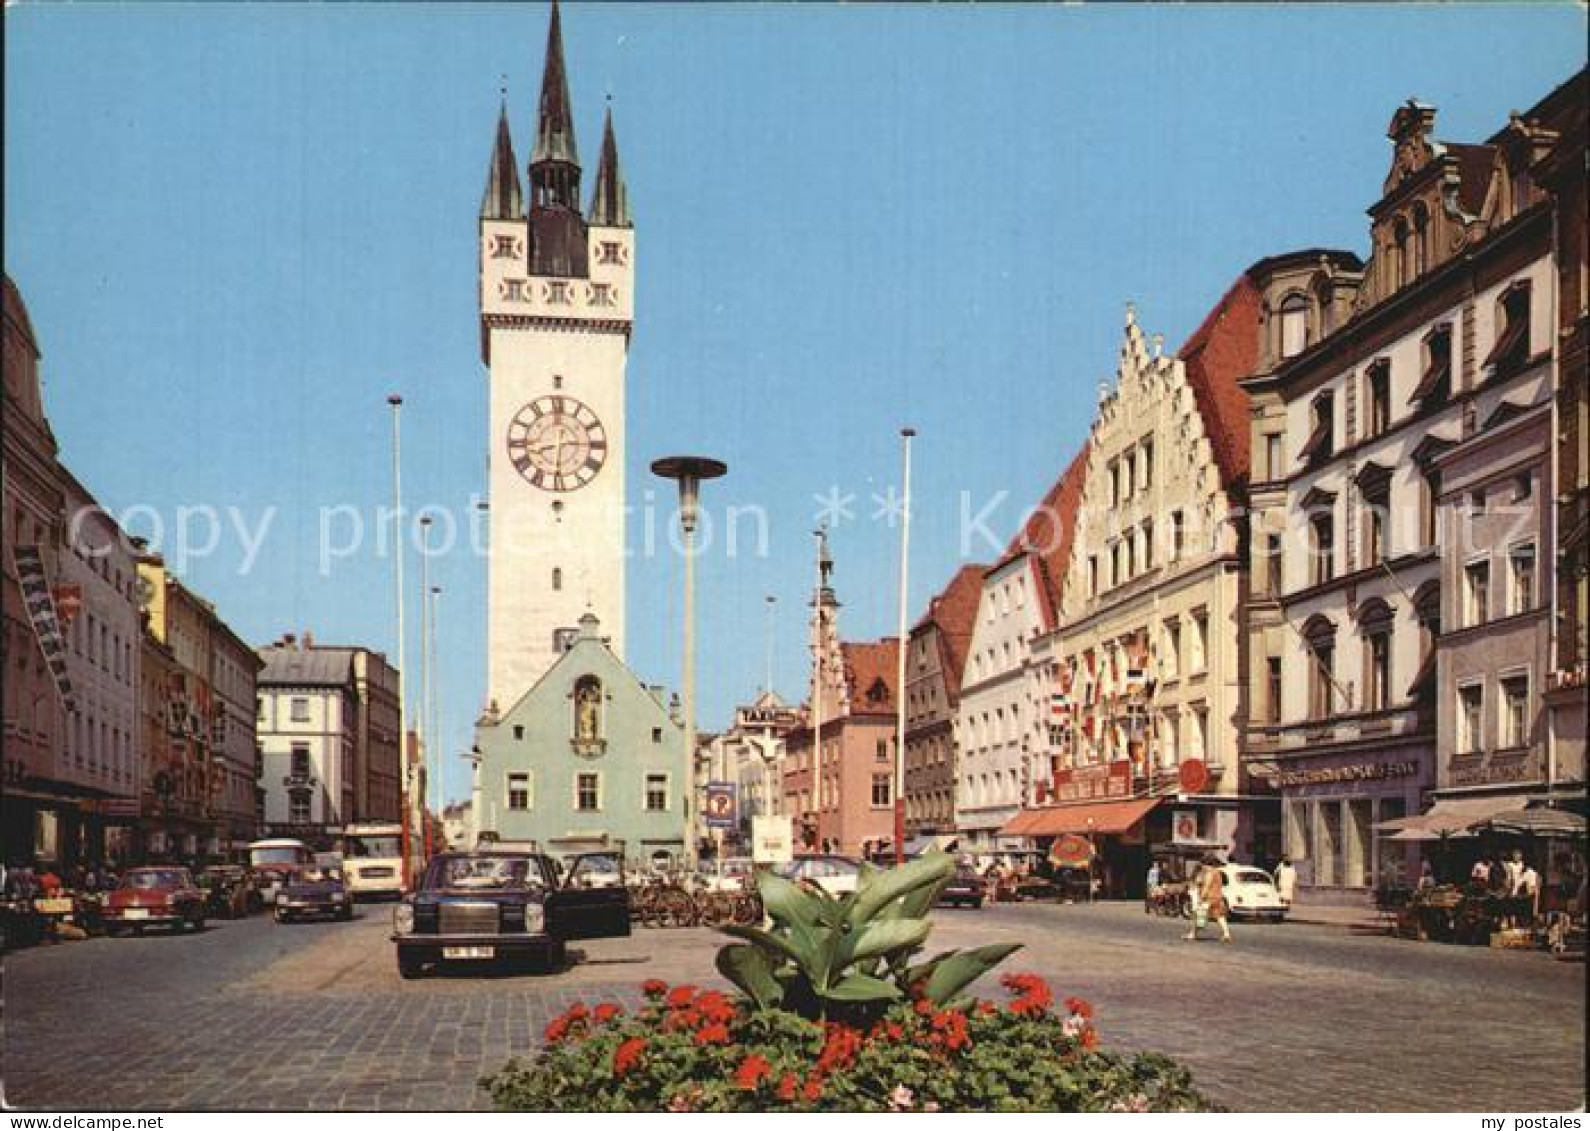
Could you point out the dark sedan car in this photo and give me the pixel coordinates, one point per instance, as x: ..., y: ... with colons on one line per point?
x: 314, y: 892
x: 965, y: 889
x: 499, y: 905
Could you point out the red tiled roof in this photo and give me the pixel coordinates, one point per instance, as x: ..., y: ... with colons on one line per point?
x: 866, y: 665
x: 1048, y: 533
x: 954, y: 612
x: 1220, y: 353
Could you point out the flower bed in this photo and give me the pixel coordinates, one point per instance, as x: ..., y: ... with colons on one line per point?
x: 702, y: 1050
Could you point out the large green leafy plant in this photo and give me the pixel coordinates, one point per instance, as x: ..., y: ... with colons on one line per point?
x: 851, y: 956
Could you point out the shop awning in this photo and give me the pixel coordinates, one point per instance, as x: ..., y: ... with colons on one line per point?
x: 1538, y: 822
x: 1450, y: 818
x: 1092, y: 817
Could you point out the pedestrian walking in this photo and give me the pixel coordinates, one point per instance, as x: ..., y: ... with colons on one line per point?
x: 1211, y: 901
x: 1151, y: 887
x: 1285, y: 881
x: 1426, y: 875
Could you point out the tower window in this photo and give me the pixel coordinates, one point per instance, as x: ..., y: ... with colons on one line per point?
x: 602, y: 295
x: 609, y: 251
x: 557, y: 579
x: 502, y: 247
x: 513, y: 290
x: 558, y: 292
x: 557, y: 509
x: 557, y: 380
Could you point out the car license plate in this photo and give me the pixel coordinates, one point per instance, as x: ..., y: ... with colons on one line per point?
x: 135, y: 913
x: 467, y: 952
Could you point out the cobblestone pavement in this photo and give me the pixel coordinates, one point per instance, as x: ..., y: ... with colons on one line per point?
x: 252, y: 1015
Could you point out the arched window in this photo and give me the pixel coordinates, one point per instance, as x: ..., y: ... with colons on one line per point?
x: 1375, y: 619
x: 1421, y: 239
x: 1324, y: 302
x: 1319, y: 635
x: 1401, y: 261
x: 1294, y: 325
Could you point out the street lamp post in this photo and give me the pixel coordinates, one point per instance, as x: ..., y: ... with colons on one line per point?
x: 404, y: 774
x: 689, y: 471
x: 899, y: 693
x: 425, y: 676
x: 438, y: 760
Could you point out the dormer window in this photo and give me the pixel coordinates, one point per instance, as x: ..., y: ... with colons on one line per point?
x: 1321, y: 442
x: 1512, y: 337
x: 1435, y: 385
x: 1294, y: 325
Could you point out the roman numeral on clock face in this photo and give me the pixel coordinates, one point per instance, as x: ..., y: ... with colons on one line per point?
x: 557, y: 443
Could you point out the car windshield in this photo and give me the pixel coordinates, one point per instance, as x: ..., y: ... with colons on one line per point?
x: 373, y: 847
x: 286, y: 855
x: 316, y: 875
x: 1251, y: 876
x: 146, y: 881
x: 484, y: 873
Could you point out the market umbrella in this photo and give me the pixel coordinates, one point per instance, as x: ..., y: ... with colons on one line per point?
x: 1539, y: 822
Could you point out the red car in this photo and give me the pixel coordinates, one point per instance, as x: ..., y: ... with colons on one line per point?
x: 155, y: 897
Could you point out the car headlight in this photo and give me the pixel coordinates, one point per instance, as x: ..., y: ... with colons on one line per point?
x: 535, y: 918
x: 403, y: 919
x: 281, y: 897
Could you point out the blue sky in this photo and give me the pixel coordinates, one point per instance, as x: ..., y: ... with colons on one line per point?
x: 238, y: 228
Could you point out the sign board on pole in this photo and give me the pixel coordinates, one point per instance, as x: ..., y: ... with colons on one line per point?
x: 1183, y: 826
x: 772, y: 841
x: 721, y: 809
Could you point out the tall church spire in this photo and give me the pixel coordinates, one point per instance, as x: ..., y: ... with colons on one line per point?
x: 504, y: 198
x: 610, y: 200
x: 555, y: 127
x: 557, y: 230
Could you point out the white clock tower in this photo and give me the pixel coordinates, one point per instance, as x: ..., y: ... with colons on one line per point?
x: 556, y: 310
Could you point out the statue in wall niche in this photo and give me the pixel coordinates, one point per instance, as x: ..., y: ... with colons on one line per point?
x: 587, y: 712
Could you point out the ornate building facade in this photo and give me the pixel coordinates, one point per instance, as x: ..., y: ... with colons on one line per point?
x: 1399, y: 530
x: 935, y: 665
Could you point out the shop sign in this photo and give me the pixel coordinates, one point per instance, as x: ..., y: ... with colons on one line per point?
x: 1487, y: 774
x: 1070, y: 851
x: 1356, y: 772
x: 772, y: 840
x: 720, y: 809
x: 1192, y: 775
x: 1092, y: 783
x: 1183, y: 826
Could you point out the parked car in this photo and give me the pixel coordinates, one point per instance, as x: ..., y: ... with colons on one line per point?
x: 733, y: 873
x: 1251, y: 893
x: 163, y: 896
x: 495, y: 905
x: 228, y: 892
x: 965, y: 889
x: 836, y: 875
x: 312, y: 892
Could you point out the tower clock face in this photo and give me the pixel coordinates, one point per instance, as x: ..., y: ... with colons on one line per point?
x: 557, y: 443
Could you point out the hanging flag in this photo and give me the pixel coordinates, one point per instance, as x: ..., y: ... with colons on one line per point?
x: 41, y: 612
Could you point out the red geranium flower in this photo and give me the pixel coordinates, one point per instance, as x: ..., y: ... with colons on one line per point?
x: 714, y: 1006
x: 839, y: 1048
x: 680, y: 996
x: 1079, y: 1007
x: 787, y: 1086
x: 628, y: 1055
x: 752, y: 1071
x: 654, y: 987
x: 924, y: 1007
x: 714, y: 1034
x: 813, y: 1090
x: 606, y: 1012
x: 1090, y: 1038
x: 1033, y: 996
x: 949, y: 1030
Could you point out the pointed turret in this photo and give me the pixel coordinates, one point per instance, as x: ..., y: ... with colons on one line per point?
x: 555, y: 127
x: 610, y: 200
x: 557, y: 230
x: 504, y: 197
